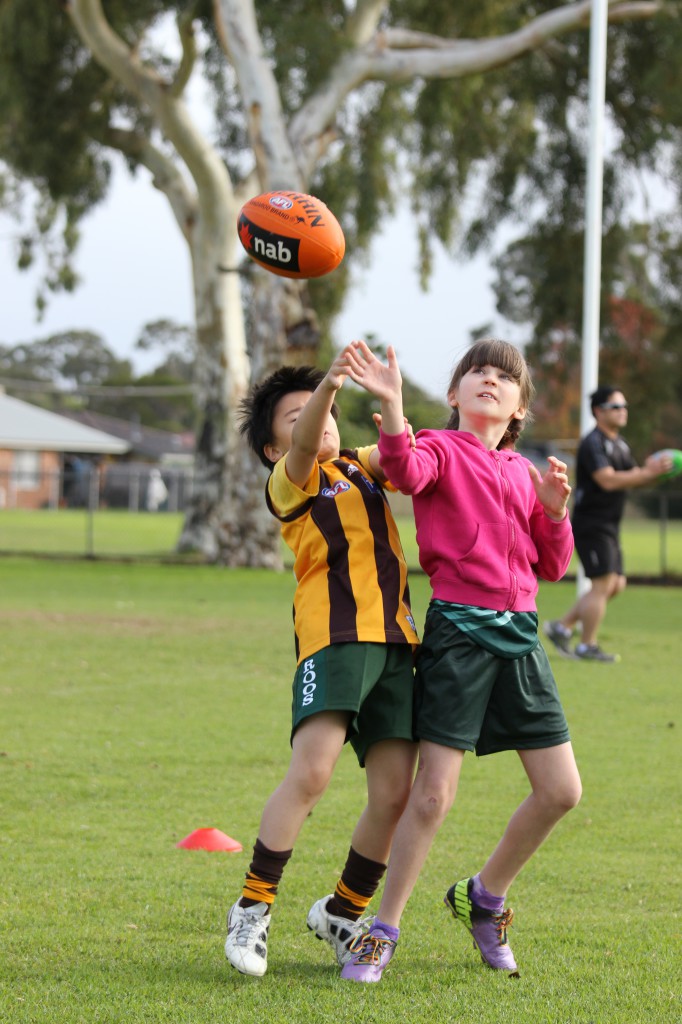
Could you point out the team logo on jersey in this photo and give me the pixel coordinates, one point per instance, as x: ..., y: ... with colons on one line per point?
x: 339, y: 487
x: 369, y: 484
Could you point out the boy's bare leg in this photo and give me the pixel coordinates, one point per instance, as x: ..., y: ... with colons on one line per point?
x: 389, y: 766
x: 316, y: 747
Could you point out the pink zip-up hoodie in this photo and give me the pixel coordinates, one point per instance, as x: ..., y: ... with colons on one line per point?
x: 483, y: 536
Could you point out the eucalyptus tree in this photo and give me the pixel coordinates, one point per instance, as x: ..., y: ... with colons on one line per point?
x: 361, y: 102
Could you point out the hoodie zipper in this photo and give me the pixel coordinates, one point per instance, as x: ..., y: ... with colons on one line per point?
x: 514, y: 580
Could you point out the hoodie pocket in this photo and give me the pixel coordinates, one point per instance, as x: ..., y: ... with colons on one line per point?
x: 487, y: 557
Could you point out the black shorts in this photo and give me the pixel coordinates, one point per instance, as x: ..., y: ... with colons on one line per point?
x: 470, y: 699
x: 598, y: 547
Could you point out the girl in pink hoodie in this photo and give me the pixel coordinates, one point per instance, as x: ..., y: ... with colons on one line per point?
x: 488, y: 525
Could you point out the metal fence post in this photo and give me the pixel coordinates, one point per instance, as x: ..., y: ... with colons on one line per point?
x: 93, y: 504
x: 663, y: 531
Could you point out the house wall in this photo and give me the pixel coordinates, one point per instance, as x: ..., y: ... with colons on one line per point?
x: 20, y: 487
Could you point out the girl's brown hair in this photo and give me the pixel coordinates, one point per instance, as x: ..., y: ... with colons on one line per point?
x: 504, y: 356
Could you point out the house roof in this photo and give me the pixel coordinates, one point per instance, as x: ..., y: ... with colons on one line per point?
x: 147, y: 442
x: 28, y: 427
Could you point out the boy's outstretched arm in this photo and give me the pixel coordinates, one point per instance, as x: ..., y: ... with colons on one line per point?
x: 308, y: 431
x: 384, y: 381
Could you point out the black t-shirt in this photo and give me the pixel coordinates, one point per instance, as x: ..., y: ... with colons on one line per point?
x: 592, y: 502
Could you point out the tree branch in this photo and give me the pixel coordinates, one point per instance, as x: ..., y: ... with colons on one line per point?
x: 364, y: 21
x: 214, y: 188
x: 240, y: 39
x: 166, y: 176
x: 397, y: 55
x: 189, y: 53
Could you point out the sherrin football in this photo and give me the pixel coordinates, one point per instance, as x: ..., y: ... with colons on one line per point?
x: 291, y: 234
x: 676, y: 455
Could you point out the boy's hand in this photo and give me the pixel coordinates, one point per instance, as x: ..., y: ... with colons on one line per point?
x: 553, y: 489
x: 378, y: 419
x: 337, y: 372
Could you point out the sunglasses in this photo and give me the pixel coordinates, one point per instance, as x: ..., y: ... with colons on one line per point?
x: 613, y: 405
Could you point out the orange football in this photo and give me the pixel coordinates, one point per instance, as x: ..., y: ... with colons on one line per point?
x: 291, y: 234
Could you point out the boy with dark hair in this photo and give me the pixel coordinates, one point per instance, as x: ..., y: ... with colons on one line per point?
x: 354, y: 635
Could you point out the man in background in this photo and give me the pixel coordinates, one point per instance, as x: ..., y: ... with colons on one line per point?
x: 605, y: 470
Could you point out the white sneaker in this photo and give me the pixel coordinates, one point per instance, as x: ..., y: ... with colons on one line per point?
x: 339, y: 932
x: 246, y: 946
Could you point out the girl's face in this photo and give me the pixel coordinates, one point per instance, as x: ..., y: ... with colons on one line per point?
x: 487, y: 397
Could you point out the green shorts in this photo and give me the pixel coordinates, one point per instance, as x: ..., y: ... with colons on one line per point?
x: 374, y: 682
x: 470, y: 699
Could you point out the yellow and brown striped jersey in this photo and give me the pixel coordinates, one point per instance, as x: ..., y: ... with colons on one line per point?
x: 349, y: 563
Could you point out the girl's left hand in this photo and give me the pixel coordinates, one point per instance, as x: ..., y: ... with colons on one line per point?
x: 553, y: 489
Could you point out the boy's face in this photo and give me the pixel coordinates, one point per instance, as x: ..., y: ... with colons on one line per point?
x: 287, y: 411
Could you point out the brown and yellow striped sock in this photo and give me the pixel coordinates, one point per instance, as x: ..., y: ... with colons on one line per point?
x: 358, y: 883
x: 264, y: 875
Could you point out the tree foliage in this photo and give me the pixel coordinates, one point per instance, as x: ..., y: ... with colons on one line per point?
x: 77, y: 369
x: 476, y: 113
x: 539, y: 284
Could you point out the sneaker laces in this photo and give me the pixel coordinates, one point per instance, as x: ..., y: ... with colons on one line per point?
x: 246, y: 928
x: 369, y: 948
x: 502, y: 922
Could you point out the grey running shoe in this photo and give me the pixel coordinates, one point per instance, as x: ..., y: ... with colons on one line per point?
x: 487, y: 929
x: 246, y: 946
x: 592, y: 652
x: 560, y: 637
x: 339, y: 932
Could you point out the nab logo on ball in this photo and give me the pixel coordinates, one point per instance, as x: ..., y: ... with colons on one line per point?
x: 273, y: 251
x: 291, y: 234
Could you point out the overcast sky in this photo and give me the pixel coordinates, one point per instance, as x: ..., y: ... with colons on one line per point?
x: 135, y: 269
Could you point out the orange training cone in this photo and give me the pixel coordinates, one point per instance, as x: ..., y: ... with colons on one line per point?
x: 209, y: 839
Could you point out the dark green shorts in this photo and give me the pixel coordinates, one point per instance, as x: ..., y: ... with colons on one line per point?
x: 374, y: 682
x: 470, y: 699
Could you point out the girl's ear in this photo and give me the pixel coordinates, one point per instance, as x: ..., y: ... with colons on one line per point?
x: 452, y: 399
x: 520, y: 413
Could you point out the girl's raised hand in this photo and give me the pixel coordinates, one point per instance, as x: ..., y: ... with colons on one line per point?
x: 363, y: 367
x: 553, y: 489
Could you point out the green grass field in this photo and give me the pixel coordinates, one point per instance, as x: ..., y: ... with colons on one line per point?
x: 121, y: 534
x: 139, y: 702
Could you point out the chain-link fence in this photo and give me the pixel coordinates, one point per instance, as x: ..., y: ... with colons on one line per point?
x: 133, y: 486
x: 135, y: 510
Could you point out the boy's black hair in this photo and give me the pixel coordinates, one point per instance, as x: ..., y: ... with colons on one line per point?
x: 257, y: 410
x: 602, y: 395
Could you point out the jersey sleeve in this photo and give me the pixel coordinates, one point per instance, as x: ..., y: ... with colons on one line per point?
x: 362, y: 455
x: 287, y: 496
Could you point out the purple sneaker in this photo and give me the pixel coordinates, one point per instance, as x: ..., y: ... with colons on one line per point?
x: 488, y: 929
x: 370, y: 953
